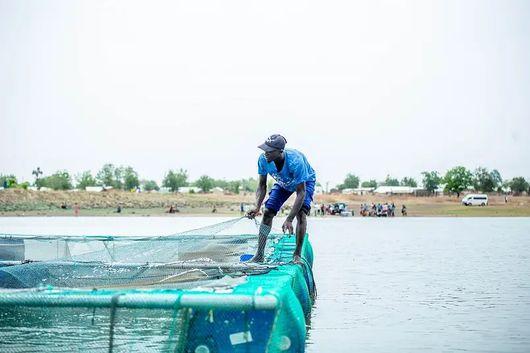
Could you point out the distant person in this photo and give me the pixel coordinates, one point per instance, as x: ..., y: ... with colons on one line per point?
x: 505, y: 199
x: 76, y: 209
x: 214, y: 210
x: 403, y: 210
x: 118, y: 209
x: 292, y: 173
x: 242, y: 208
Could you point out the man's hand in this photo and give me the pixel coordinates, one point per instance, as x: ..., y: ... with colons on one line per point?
x: 253, y: 213
x: 287, y: 227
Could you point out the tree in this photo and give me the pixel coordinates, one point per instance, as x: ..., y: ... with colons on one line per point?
x: 249, y: 185
x: 109, y: 175
x: 406, y: 181
x: 431, y: 180
x: 205, y: 183
x: 518, y: 185
x: 175, y: 180
x: 60, y: 180
x: 486, y: 181
x: 506, y: 185
x: 389, y: 181
x: 37, y: 172
x: 85, y: 179
x: 130, y: 178
x: 221, y: 183
x: 118, y: 178
x: 234, y: 186
x: 8, y: 181
x: 457, y: 180
x: 350, y: 182
x: 150, y: 185
x: 369, y: 184
x: 497, y: 179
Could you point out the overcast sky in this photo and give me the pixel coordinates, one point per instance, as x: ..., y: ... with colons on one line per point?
x: 371, y: 87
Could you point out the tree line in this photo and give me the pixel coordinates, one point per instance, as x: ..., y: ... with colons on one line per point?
x: 125, y: 178
x: 454, y: 181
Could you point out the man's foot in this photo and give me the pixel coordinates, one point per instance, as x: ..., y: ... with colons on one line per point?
x: 256, y: 258
x: 297, y: 259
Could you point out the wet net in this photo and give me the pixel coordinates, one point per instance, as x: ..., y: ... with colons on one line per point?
x: 186, y: 292
x: 171, y: 261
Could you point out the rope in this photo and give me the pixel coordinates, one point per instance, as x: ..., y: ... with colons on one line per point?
x: 113, y: 308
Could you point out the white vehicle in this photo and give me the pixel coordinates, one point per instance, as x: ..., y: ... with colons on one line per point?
x: 475, y: 200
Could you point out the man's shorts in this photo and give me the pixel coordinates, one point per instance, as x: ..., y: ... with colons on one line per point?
x: 279, y: 195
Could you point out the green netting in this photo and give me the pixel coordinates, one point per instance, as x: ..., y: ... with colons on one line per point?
x: 108, y: 261
x: 186, y: 292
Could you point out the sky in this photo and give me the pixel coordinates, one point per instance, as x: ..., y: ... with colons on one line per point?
x: 364, y: 87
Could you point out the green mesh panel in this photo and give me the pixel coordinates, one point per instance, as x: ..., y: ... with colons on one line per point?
x: 79, y: 300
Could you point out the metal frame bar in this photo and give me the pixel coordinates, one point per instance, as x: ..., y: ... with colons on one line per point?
x: 171, y: 265
x: 138, y: 300
x: 172, y: 237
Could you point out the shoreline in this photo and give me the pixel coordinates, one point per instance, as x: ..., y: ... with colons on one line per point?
x: 161, y: 212
x: 27, y: 203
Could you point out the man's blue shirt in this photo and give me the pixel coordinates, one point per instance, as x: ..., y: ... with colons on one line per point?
x: 296, y: 170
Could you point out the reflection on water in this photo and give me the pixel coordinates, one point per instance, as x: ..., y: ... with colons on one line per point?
x: 398, y: 285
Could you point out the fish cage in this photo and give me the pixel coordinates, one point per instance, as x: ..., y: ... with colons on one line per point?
x: 186, y: 292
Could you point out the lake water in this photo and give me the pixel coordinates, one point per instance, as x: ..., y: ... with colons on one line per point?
x: 389, y: 285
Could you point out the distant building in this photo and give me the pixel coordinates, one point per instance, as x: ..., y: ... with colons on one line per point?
x: 358, y: 191
x: 391, y: 190
x: 439, y: 191
x: 94, y: 188
x: 97, y: 188
x: 189, y: 189
x: 217, y: 190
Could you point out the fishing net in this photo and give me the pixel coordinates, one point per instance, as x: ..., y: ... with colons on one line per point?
x: 91, y: 261
x: 185, y: 292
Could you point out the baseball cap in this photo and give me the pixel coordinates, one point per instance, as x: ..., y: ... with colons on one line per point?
x: 274, y: 142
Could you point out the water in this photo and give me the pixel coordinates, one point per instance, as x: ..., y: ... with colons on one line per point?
x: 421, y: 285
x: 399, y: 285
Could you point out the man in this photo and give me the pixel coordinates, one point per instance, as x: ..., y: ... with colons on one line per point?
x: 292, y: 173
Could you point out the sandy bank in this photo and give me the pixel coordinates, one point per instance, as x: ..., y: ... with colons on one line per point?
x: 15, y: 202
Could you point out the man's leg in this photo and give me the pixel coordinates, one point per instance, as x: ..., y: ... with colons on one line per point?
x: 301, y: 228
x: 277, y: 198
x: 264, y: 230
x: 301, y: 220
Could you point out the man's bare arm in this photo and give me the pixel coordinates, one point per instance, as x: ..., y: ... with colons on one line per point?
x: 261, y: 191
x: 297, y: 206
x: 298, y: 202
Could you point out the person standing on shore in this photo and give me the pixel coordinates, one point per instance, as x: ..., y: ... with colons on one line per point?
x: 292, y: 173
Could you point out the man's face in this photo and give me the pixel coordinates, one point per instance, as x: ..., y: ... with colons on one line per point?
x: 272, y: 155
